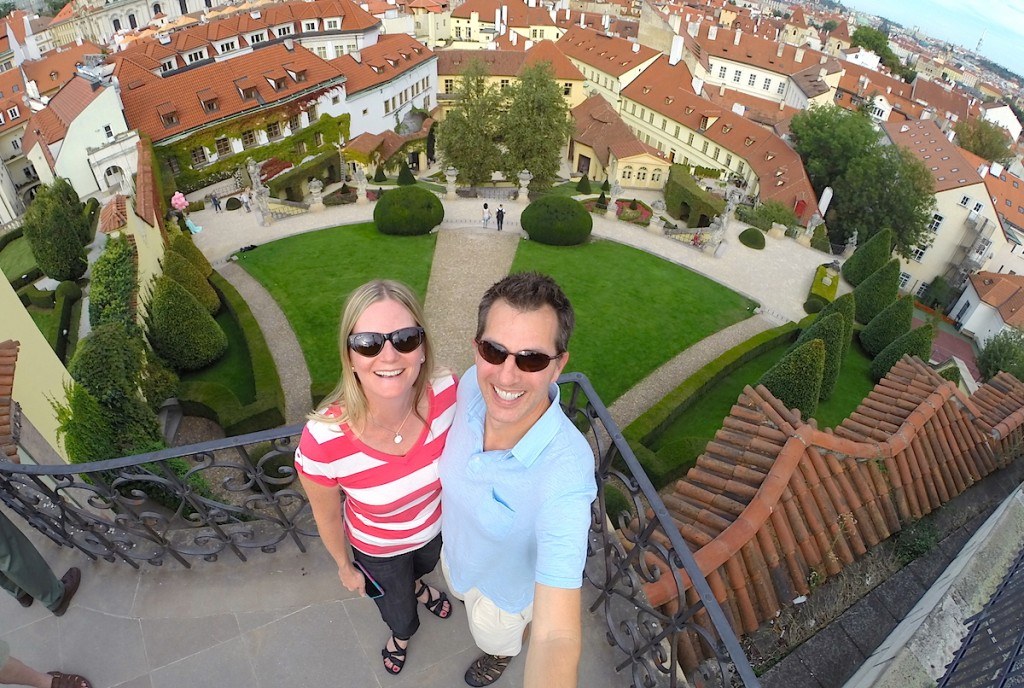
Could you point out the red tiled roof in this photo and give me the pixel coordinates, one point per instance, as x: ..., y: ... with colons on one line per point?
x: 50, y: 124
x: 143, y: 97
x: 609, y: 54
x: 387, y: 143
x: 8, y: 362
x: 12, y: 90
x: 1006, y: 190
x: 519, y: 14
x: 765, y: 53
x: 147, y: 199
x: 772, y: 497
x: 66, y: 12
x: 508, y: 62
x: 949, y: 168
x: 114, y: 215
x: 392, y: 55
x: 56, y: 67
x: 599, y: 126
x: 1005, y: 293
x: 945, y: 102
x: 562, y: 66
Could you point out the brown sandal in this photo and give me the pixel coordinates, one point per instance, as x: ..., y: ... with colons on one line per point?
x: 486, y: 670
x: 68, y: 680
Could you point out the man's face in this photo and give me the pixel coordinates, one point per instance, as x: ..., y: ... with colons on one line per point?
x: 516, y: 399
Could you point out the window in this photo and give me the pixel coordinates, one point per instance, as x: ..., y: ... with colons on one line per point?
x: 504, y: 84
x: 167, y: 65
x: 721, y: 72
x: 449, y: 85
x: 198, y: 156
x: 294, y: 123
x: 335, y: 100
x: 211, y: 105
x: 227, y: 46
x: 689, y: 139
x: 904, y: 279
x: 172, y: 165
x: 108, y: 132
x: 767, y: 84
x: 311, y: 112
x: 922, y: 290
x: 965, y: 201
x: 736, y: 76
x: 567, y: 88
x: 332, y: 24
x: 274, y: 130
x: 533, y: 33
x: 284, y: 30
x: 117, y: 25
x: 751, y: 79
x: 387, y: 106
x: 676, y: 134
x: 656, y: 175
x: 741, y: 167
x: 650, y: 117
x: 318, y: 139
x: 16, y: 144
x: 223, y: 146
x: 918, y: 253
x: 641, y: 174
x: 978, y: 207
x: 300, y: 147
x: 257, y: 38
x: 248, y: 138
x: 309, y: 26
x: 704, y: 147
x: 627, y: 172
x: 664, y: 123
x: 632, y: 108
x: 458, y: 32
x: 717, y: 151
x: 13, y: 113
x: 935, y: 223
x: 728, y: 159
x: 321, y: 52
x: 782, y: 88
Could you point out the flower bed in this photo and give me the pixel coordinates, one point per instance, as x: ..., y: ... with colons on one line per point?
x: 641, y: 215
x: 591, y: 205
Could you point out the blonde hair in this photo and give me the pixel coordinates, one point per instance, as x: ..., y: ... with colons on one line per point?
x: 349, y: 393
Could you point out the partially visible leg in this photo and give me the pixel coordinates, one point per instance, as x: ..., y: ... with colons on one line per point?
x: 425, y: 561
x: 24, y: 567
x: 397, y: 606
x: 495, y: 631
x: 13, y: 672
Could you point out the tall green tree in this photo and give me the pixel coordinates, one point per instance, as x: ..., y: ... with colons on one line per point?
x: 468, y: 137
x: 828, y: 138
x: 6, y: 8
x: 535, y: 126
x: 54, y: 226
x: 983, y: 138
x: 1005, y: 352
x: 886, y: 186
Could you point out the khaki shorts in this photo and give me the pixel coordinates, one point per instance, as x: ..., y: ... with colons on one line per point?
x: 494, y: 630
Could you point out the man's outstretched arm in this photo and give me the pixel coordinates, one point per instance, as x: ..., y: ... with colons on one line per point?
x: 556, y: 640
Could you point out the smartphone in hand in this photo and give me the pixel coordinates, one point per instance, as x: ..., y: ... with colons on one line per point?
x: 371, y: 588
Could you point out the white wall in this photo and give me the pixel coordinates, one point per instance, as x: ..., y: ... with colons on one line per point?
x: 87, y: 131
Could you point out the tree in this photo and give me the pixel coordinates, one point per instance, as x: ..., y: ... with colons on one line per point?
x: 830, y: 26
x: 831, y: 330
x: 894, y: 321
x: 828, y: 138
x: 53, y: 7
x: 467, y: 138
x: 583, y: 186
x: 985, y: 139
x: 53, y: 228
x: 886, y: 186
x: 877, y: 41
x: 877, y: 291
x: 917, y: 342
x: 6, y: 8
x: 846, y: 306
x: 796, y: 379
x: 405, y: 175
x: 938, y: 293
x: 180, y: 329
x: 1005, y: 352
x: 869, y: 256
x: 535, y: 126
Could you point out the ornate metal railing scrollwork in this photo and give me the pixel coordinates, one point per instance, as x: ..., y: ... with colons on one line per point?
x: 641, y: 547
x: 186, y: 502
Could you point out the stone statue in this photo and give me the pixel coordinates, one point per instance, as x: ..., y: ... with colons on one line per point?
x: 316, y: 194
x: 815, y: 222
x: 658, y: 206
x: 852, y: 241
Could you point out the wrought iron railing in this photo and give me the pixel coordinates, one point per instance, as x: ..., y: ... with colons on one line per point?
x: 236, y: 495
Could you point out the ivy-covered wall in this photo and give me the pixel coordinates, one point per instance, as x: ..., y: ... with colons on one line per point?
x: 288, y: 148
x: 682, y: 195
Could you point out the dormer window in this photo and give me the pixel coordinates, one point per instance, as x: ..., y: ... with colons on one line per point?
x: 209, y: 99
x: 646, y: 90
x: 333, y: 24
x: 769, y: 156
x: 309, y: 26
x: 703, y: 123
x: 227, y: 46
x: 165, y: 66
x: 196, y: 55
x: 300, y: 76
x: 749, y: 141
x: 688, y: 110
x: 168, y: 114
x: 726, y: 128
x: 257, y: 38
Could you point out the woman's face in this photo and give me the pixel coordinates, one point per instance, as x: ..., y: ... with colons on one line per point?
x: 390, y: 374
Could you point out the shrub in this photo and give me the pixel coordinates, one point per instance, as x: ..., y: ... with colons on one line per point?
x: 54, y: 228
x: 830, y: 330
x: 917, y: 342
x: 1003, y: 352
x: 557, y: 221
x: 82, y: 426
x: 602, y: 201
x: 68, y: 290
x: 107, y: 363
x: 814, y: 304
x: 951, y: 373
x: 342, y: 196
x: 113, y: 285
x: 68, y: 293
x: 938, y: 293
x: 892, y: 322
x: 633, y: 204
x: 408, y: 211
x: 796, y: 379
x: 606, y: 187
x: 233, y: 203
x: 196, y: 206
x: 846, y: 306
x: 184, y: 273
x: 751, y: 237
x: 379, y: 177
x: 180, y: 329
x: 584, y: 185
x: 869, y: 257
x: 819, y: 240
x: 819, y: 288
x: 877, y: 291
x: 41, y: 298
x: 764, y: 215
x: 405, y: 176
x: 182, y: 245
x: 158, y: 382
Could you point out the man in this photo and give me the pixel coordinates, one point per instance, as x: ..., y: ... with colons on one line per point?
x: 26, y: 575
x: 500, y: 216
x: 518, y: 481
x: 16, y: 673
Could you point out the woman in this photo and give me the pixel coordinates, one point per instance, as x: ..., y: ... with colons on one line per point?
x: 377, y: 438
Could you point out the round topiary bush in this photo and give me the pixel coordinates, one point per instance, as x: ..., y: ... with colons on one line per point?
x: 232, y: 203
x: 184, y: 273
x: 180, y: 329
x: 557, y: 221
x: 182, y: 245
x: 408, y: 211
x: 813, y: 305
x: 68, y: 290
x: 751, y: 237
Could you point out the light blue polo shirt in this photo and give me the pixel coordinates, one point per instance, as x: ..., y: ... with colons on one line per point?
x: 511, y: 518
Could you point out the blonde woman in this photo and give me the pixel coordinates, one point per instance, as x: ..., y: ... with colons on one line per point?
x: 377, y: 438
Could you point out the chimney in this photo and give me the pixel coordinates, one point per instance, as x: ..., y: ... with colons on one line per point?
x: 779, y: 49
x: 606, y: 21
x: 823, y: 59
x: 693, y: 28
x: 739, y: 109
x: 736, y: 37
x: 583, y: 23
x: 996, y: 169
x: 799, y: 57
x: 676, y: 53
x: 289, y: 44
x: 514, y: 37
x: 497, y: 19
x: 721, y: 90
x: 822, y: 72
x: 566, y: 14
x: 504, y: 14
x: 636, y: 47
x: 712, y: 32
x: 782, y: 105
x: 888, y: 90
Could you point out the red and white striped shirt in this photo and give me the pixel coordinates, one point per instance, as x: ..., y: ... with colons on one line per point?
x: 393, y: 503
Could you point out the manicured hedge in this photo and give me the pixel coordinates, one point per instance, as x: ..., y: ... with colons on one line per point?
x: 917, y: 342
x: 647, y: 428
x: 41, y: 298
x: 893, y: 322
x: 180, y: 329
x: 107, y: 363
x: 68, y: 293
x: 796, y: 379
x: 877, y: 291
x: 827, y: 292
x: 408, y: 211
x: 819, y: 240
x: 557, y: 221
x: 583, y: 186
x: 324, y: 167
x: 751, y: 237
x: 847, y: 306
x: 179, y: 269
x: 216, y: 401
x: 869, y: 257
x: 83, y: 427
x: 830, y: 330
x: 405, y: 175
x: 233, y: 203
x: 113, y: 285
x: 182, y: 244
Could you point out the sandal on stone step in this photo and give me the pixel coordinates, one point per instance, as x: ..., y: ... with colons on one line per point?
x: 486, y: 670
x: 68, y: 680
x: 396, y: 656
x: 439, y: 606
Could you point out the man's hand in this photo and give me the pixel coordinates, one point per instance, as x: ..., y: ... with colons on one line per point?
x: 556, y: 638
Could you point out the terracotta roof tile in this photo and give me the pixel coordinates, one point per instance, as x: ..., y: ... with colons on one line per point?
x: 57, y: 67
x: 12, y: 91
x: 1005, y: 293
x: 50, y: 124
x: 391, y: 56
x: 114, y: 215
x: 8, y: 421
x: 948, y: 167
x: 609, y: 54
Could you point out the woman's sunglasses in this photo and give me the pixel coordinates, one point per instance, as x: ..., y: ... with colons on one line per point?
x: 526, y: 361
x: 369, y: 344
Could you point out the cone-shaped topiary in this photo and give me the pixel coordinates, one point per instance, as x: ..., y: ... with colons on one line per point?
x: 179, y: 269
x: 182, y: 245
x: 83, y: 427
x: 830, y: 330
x: 752, y: 237
x: 893, y: 322
x: 405, y: 175
x: 379, y: 177
x: 846, y: 306
x: 917, y: 342
x: 877, y: 291
x: 796, y: 379
x: 584, y: 185
x: 180, y: 329
x: 869, y: 256
x: 607, y: 186
x: 407, y: 211
x: 107, y: 363
x: 557, y: 221
x: 602, y: 201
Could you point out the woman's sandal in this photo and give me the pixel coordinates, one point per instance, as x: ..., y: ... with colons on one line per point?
x: 61, y: 680
x: 486, y: 670
x: 396, y: 656
x: 439, y: 606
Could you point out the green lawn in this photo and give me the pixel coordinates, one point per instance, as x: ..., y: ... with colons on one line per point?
x: 310, y: 275
x: 47, y: 320
x: 569, y: 189
x: 234, y: 368
x: 16, y: 259
x: 634, y: 311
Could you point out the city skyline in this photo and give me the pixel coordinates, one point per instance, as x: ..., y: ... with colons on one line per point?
x: 962, y: 22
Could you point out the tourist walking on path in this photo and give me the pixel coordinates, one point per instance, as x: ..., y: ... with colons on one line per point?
x: 500, y: 216
x: 245, y: 200
x: 378, y: 438
x: 26, y: 575
x: 215, y: 201
x: 15, y: 673
x: 486, y: 216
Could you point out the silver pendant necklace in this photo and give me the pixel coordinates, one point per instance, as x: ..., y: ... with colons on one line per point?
x: 397, y: 431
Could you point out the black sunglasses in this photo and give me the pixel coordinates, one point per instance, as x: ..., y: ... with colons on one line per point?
x: 526, y: 361
x: 369, y: 344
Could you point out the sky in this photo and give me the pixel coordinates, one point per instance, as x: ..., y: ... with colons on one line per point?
x: 961, y: 22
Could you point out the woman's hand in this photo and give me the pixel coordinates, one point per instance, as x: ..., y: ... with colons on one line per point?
x: 352, y: 579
